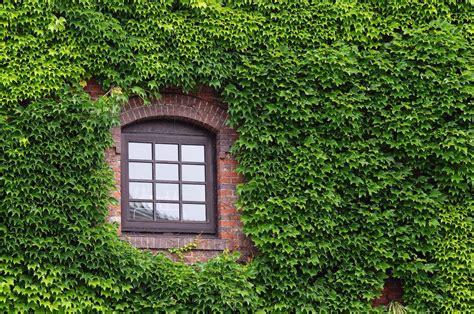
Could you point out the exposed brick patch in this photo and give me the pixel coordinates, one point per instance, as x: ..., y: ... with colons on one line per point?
x: 94, y: 89
x: 392, y: 291
x: 205, y: 110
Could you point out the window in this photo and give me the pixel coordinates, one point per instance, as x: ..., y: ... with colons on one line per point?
x: 168, y: 178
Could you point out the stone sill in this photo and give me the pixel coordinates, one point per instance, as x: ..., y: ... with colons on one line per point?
x: 164, y: 242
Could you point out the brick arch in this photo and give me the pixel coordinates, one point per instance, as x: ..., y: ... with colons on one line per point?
x: 184, y: 107
x: 208, y: 115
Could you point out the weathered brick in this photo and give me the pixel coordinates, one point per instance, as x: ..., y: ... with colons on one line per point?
x: 206, y: 110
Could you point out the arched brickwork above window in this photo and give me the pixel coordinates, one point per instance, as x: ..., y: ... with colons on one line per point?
x: 193, y: 109
x: 186, y: 108
x: 209, y: 114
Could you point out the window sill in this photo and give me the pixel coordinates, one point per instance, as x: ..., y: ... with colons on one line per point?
x: 164, y: 242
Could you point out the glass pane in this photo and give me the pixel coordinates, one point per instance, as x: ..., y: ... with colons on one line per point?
x: 139, y: 151
x: 166, y: 152
x: 194, y: 153
x: 141, y: 211
x: 167, y: 211
x: 166, y: 172
x: 194, y: 212
x: 167, y: 192
x: 139, y: 170
x: 192, y: 192
x: 193, y: 173
x: 140, y: 190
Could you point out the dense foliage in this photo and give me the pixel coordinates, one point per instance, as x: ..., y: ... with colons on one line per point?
x: 57, y: 252
x: 355, y: 122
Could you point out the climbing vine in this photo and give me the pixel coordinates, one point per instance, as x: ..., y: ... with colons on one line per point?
x: 356, y: 142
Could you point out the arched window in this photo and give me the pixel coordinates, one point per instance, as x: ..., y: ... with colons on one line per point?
x: 168, y: 178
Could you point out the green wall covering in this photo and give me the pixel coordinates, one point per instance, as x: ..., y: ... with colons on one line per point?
x: 356, y: 140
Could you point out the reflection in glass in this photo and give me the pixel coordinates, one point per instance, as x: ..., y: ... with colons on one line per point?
x: 139, y: 151
x: 166, y: 191
x: 141, y: 211
x: 194, y: 153
x: 167, y: 211
x: 193, y: 173
x: 167, y: 152
x: 139, y: 170
x: 193, y: 192
x: 138, y: 190
x: 166, y: 172
x: 194, y: 212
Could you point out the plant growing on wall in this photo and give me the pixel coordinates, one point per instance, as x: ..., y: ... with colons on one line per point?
x: 355, y: 123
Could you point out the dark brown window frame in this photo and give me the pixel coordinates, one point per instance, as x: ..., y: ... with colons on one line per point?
x: 170, y: 132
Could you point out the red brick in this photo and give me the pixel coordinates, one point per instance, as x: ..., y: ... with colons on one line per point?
x: 231, y: 223
x: 204, y: 109
x: 392, y: 291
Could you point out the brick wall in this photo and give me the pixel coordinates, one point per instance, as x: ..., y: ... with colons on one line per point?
x: 392, y: 291
x: 204, y: 109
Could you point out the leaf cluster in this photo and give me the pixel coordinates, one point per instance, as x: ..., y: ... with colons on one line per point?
x: 356, y: 140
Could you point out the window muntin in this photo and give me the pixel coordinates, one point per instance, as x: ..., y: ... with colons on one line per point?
x: 168, y: 181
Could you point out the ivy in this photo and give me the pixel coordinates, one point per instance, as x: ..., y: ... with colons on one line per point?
x: 57, y: 251
x: 355, y: 123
